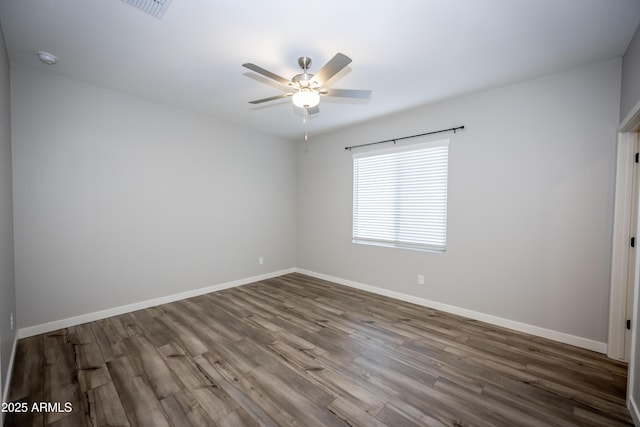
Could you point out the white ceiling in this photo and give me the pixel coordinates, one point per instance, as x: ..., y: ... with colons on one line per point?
x: 409, y: 52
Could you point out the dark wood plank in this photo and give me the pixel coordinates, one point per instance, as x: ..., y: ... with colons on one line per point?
x: 61, y: 381
x: 249, y: 397
x: 391, y: 416
x: 104, y: 407
x: 296, y: 350
x: 28, y: 372
x: 184, y: 410
x: 352, y: 414
x: 141, y: 404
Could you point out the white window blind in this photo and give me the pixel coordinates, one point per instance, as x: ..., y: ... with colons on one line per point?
x: 400, y: 196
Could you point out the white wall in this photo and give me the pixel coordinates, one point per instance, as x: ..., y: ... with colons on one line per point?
x: 630, y: 94
x: 7, y: 289
x: 530, y: 203
x: 119, y: 200
x: 630, y: 99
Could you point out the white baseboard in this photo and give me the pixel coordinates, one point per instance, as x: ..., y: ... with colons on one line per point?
x: 633, y: 410
x: 7, y: 384
x: 115, y: 311
x: 562, y: 337
x: 494, y: 320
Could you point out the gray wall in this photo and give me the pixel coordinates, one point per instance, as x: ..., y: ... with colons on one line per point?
x: 530, y: 203
x: 120, y: 200
x: 630, y: 94
x: 7, y: 288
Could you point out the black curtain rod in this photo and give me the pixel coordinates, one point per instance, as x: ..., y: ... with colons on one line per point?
x: 405, y: 137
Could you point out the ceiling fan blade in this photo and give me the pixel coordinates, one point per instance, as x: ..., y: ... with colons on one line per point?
x: 347, y: 93
x: 266, y: 73
x: 331, y: 68
x: 313, y: 110
x: 271, y: 98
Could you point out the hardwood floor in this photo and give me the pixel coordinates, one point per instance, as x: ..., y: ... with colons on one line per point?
x: 298, y: 351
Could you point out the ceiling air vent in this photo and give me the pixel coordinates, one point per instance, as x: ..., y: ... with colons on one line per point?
x: 155, y: 8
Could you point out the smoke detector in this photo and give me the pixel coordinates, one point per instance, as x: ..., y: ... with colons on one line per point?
x: 47, y: 58
x: 155, y: 8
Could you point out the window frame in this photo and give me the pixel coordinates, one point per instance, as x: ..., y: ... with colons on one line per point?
x: 437, y: 244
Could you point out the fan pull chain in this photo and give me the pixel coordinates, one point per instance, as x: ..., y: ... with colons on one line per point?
x: 306, y: 124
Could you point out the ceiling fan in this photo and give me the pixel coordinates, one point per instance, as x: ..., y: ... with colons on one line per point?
x: 307, y: 88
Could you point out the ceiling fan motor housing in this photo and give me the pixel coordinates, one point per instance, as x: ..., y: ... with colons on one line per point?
x: 303, y: 80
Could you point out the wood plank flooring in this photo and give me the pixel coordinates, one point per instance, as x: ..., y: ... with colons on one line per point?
x: 298, y: 351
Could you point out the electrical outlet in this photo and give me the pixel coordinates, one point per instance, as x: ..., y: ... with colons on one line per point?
x: 420, y: 279
x: 261, y: 260
x: 13, y: 321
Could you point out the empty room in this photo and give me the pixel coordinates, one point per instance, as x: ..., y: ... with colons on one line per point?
x: 366, y: 213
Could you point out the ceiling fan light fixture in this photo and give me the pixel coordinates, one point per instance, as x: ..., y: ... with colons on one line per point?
x: 306, y: 98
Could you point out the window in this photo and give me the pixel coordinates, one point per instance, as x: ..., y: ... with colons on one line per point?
x: 400, y: 196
